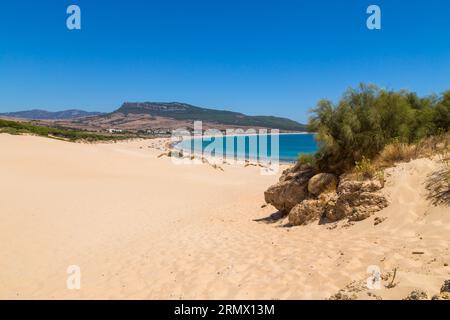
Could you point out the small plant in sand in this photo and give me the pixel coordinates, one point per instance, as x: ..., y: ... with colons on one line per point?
x: 364, y: 169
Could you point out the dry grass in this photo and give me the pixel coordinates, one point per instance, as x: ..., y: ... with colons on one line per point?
x: 438, y: 183
x: 365, y: 169
x: 432, y: 147
x: 396, y: 152
x: 435, y: 146
x: 401, y: 152
x: 438, y: 187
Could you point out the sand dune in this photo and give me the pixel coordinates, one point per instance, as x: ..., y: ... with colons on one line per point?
x: 141, y: 227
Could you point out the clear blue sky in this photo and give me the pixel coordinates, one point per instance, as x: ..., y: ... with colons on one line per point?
x: 257, y: 57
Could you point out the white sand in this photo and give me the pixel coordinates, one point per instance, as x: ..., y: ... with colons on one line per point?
x: 142, y: 227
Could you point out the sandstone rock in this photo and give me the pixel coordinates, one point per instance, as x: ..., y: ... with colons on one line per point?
x: 285, y: 195
x: 339, y: 212
x: 353, y: 199
x: 296, y: 171
x: 306, y: 212
x: 343, y: 296
x: 442, y: 296
x: 417, y: 295
x: 329, y: 199
x: 321, y: 183
x: 446, y: 286
x: 290, y: 191
x: 311, y: 210
x: 358, y: 200
x: 352, y: 186
x: 366, y: 205
x: 288, y: 176
x: 445, y: 292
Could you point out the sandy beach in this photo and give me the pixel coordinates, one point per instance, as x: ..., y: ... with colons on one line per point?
x: 141, y: 227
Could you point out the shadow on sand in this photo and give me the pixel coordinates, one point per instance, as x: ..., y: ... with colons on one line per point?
x: 274, y: 218
x: 279, y: 216
x: 438, y: 188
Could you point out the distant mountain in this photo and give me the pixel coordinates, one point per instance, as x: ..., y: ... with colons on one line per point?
x: 48, y: 115
x: 143, y: 116
x: 183, y: 111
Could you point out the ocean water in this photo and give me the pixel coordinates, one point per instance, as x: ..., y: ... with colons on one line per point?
x: 290, y: 146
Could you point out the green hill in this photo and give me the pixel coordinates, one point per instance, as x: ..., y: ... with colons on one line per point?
x: 182, y: 111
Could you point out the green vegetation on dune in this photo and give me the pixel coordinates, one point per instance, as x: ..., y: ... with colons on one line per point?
x: 368, y: 119
x: 13, y: 127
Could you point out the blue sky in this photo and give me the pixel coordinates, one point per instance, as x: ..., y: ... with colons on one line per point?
x: 257, y: 57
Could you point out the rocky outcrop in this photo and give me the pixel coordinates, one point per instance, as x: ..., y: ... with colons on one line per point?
x: 417, y: 295
x: 291, y: 190
x: 347, y: 186
x: 343, y: 296
x: 351, y: 291
x: 441, y: 296
x: 330, y: 200
x: 445, y: 292
x: 358, y: 200
x: 446, y: 287
x: 355, y: 200
x: 307, y: 196
x: 322, y: 183
x: 423, y: 295
x: 311, y: 210
x: 306, y: 212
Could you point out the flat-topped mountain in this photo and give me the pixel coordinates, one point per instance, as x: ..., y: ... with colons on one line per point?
x: 183, y: 112
x: 37, y: 114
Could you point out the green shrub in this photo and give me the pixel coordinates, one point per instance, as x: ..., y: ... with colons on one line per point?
x: 367, y: 119
x: 364, y: 169
x: 306, y: 158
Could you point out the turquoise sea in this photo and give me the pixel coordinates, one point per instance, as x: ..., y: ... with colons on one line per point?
x: 290, y: 146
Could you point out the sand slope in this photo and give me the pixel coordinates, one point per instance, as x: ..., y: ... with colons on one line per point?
x: 142, y: 227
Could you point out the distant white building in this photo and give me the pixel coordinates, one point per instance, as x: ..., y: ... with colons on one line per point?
x: 158, y: 131
x: 115, y: 130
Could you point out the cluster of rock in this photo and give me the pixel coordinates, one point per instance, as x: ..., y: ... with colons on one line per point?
x: 307, y: 196
x: 423, y: 295
x: 356, y: 290
x: 351, y: 291
x: 445, y: 292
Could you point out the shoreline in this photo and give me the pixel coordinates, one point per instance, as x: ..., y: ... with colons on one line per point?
x: 173, y: 146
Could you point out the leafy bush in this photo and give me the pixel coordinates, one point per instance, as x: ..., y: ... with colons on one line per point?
x: 368, y: 118
x: 306, y: 159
